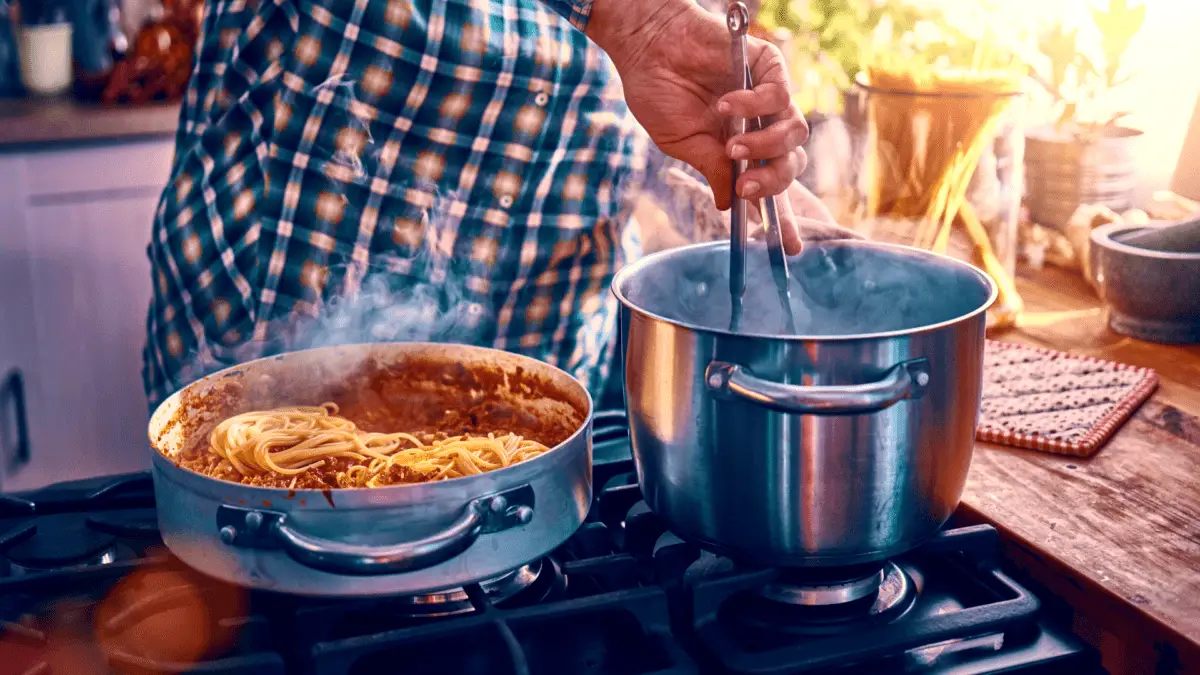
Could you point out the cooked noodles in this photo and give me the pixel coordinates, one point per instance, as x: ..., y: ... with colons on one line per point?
x: 311, y: 446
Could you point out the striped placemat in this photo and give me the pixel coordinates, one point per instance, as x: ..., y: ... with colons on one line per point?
x: 1047, y: 400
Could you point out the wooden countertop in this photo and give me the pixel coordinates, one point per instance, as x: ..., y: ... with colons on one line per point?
x: 1116, y: 536
x: 36, y: 121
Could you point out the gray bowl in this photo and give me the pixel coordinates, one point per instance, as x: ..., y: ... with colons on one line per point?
x: 1151, y: 295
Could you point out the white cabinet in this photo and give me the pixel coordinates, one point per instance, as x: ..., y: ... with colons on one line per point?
x: 73, y: 295
x: 17, y: 338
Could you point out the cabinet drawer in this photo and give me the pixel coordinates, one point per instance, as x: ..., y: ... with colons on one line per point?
x: 102, y: 168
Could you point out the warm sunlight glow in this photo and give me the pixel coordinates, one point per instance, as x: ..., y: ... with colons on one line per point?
x: 1161, y: 59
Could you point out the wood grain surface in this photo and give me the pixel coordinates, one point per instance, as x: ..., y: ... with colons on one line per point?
x: 1117, y: 536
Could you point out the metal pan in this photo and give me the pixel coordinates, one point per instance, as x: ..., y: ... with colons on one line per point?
x: 395, y: 540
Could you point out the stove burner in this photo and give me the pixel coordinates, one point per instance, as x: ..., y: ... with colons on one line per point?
x: 818, y: 588
x: 455, y: 601
x: 57, y: 541
x: 621, y: 596
x: 892, y: 594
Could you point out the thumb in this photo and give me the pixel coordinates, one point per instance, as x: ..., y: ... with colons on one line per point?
x: 720, y: 179
x: 706, y: 154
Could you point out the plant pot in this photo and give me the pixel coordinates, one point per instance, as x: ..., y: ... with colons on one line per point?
x: 1064, y: 171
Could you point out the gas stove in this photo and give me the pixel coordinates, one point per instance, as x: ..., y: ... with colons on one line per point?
x: 86, y: 587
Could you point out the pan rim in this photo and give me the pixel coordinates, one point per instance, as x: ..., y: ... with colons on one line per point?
x: 315, y: 496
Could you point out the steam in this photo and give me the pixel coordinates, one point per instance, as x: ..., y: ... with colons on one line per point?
x: 836, y: 290
x: 390, y: 307
x: 419, y: 295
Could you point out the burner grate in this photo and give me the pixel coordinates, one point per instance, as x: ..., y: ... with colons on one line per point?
x: 621, y: 596
x: 603, y: 621
x: 622, y: 632
x: 993, y: 605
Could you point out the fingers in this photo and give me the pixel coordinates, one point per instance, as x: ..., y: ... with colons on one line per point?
x: 792, y: 243
x: 806, y: 205
x: 789, y: 225
x: 789, y: 132
x: 771, y: 95
x: 764, y: 100
x: 774, y: 177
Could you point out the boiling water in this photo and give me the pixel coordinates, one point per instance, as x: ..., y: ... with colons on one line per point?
x: 836, y: 290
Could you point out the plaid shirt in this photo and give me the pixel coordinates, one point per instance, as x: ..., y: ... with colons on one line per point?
x: 362, y: 170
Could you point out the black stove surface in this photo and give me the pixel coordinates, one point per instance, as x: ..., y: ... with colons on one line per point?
x: 86, y: 587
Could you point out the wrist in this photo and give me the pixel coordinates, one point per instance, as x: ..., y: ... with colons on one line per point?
x: 625, y: 28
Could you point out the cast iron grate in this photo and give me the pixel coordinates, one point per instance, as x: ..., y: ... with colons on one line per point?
x: 620, y: 597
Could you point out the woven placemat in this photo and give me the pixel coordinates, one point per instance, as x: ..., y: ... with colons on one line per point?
x: 1056, y: 402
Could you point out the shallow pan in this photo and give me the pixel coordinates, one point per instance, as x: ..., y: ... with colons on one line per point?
x: 394, y: 540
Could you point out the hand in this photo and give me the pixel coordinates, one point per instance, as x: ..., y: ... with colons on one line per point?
x: 675, y: 66
x: 814, y: 221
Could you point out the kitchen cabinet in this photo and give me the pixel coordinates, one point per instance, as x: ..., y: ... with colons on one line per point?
x: 74, y: 287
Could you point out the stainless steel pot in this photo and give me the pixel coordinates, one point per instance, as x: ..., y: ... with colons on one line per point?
x: 846, y: 443
x: 396, y: 540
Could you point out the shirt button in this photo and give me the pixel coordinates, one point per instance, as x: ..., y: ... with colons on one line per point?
x: 506, y: 201
x: 542, y: 98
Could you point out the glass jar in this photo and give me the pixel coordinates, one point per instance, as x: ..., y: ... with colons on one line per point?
x: 940, y: 169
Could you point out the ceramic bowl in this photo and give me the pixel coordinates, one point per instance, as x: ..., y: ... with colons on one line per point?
x: 1151, y: 295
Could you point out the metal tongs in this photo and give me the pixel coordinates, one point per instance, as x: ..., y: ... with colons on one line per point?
x: 737, y: 18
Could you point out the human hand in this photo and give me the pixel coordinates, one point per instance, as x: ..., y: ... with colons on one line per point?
x: 813, y: 220
x: 675, y: 66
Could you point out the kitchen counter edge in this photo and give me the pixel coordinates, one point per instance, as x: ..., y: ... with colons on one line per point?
x: 30, y: 122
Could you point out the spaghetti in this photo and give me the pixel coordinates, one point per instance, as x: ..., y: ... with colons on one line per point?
x: 312, y: 447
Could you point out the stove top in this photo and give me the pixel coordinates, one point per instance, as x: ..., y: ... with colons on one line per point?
x: 86, y: 587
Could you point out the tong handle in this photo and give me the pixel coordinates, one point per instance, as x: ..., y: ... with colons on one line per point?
x: 737, y: 19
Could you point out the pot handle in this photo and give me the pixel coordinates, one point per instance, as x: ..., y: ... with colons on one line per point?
x: 906, y: 380
x: 263, y: 529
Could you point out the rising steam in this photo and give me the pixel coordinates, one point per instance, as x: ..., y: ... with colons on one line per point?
x: 386, y: 299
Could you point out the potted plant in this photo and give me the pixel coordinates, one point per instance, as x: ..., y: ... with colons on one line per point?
x: 1085, y: 156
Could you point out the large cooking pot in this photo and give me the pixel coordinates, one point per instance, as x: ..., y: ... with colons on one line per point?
x: 395, y: 540
x: 847, y: 442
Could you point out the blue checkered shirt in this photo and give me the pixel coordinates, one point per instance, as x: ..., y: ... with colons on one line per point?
x: 369, y: 170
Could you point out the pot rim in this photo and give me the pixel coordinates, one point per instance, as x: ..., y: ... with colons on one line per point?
x: 1103, y: 236
x: 375, y: 496
x: 632, y: 269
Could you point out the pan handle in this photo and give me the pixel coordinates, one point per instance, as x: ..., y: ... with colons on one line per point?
x: 907, y: 380
x: 256, y: 528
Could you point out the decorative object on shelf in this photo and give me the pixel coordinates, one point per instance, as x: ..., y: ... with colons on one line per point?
x: 1085, y: 157
x: 1051, y: 401
x: 98, y: 42
x: 160, y: 59
x: 10, y: 56
x: 45, y: 46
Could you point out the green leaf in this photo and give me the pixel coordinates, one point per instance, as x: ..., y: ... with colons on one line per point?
x: 1059, y: 45
x: 1117, y: 25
